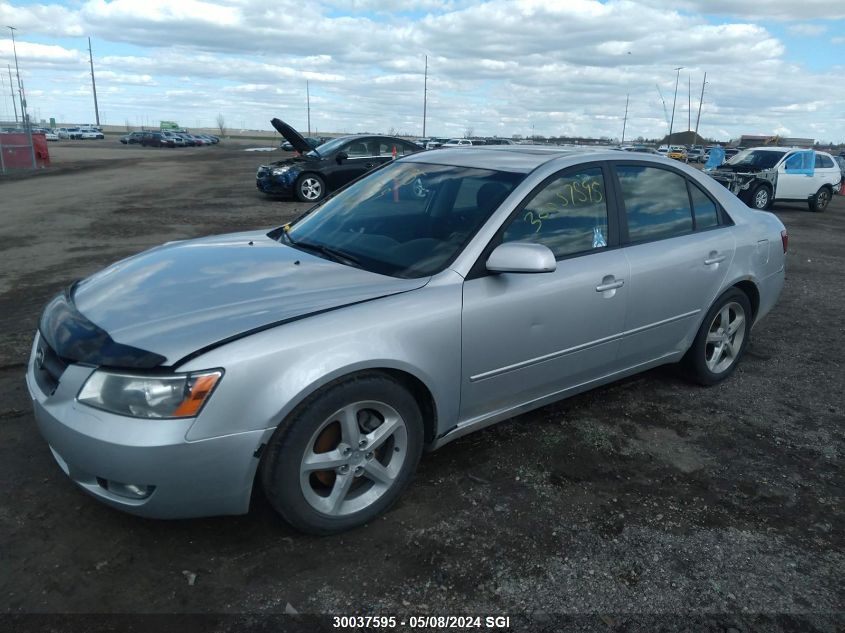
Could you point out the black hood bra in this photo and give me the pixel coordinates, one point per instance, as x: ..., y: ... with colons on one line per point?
x: 73, y: 337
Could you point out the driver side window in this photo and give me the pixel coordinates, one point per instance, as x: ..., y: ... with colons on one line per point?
x: 568, y: 215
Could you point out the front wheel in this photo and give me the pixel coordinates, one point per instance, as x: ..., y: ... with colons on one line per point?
x: 721, y: 339
x: 820, y: 201
x: 344, y: 456
x: 761, y: 198
x: 310, y: 188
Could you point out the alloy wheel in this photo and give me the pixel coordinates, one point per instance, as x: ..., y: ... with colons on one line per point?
x: 311, y: 189
x: 353, y: 458
x: 761, y: 198
x: 724, y: 337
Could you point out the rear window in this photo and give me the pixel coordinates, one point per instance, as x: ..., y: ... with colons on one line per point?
x: 823, y: 161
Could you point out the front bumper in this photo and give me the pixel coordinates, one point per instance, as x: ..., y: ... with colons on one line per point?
x: 281, y: 185
x: 103, y: 453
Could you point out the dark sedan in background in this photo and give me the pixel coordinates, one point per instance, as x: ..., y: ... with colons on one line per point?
x: 317, y: 171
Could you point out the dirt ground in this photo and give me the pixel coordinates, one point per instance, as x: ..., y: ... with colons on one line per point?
x: 645, y: 505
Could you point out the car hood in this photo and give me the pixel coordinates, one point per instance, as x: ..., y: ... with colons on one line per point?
x: 291, y: 136
x: 182, y: 297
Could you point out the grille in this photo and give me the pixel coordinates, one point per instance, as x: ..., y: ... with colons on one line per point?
x: 49, y: 367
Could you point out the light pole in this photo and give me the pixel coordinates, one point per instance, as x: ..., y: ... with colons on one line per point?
x: 93, y: 83
x: 425, y: 93
x: 700, y: 101
x: 24, y: 115
x: 674, y: 102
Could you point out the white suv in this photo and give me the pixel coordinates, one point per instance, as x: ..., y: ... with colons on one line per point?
x: 761, y: 176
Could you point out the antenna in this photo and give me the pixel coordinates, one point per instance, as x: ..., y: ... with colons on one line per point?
x: 625, y: 120
x: 308, y: 101
x: 665, y: 111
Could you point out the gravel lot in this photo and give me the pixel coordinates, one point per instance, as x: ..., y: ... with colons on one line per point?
x: 646, y: 505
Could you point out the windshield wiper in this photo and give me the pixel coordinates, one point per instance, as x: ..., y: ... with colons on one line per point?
x: 330, y: 252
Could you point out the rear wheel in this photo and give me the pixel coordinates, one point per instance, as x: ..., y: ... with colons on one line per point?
x: 721, y: 339
x: 310, y: 188
x: 344, y: 455
x: 820, y: 201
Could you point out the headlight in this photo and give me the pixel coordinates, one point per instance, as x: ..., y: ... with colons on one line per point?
x: 278, y: 171
x: 140, y: 396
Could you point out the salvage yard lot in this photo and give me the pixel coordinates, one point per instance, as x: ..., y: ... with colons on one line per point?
x: 647, y: 496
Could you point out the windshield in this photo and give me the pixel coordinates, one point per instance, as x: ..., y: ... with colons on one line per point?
x: 406, y: 220
x: 327, y: 148
x: 761, y: 159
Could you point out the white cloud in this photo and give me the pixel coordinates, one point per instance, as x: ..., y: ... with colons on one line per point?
x: 770, y: 10
x: 500, y: 67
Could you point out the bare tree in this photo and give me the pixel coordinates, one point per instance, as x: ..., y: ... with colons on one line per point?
x: 391, y: 131
x: 221, y: 124
x: 469, y: 132
x: 128, y: 125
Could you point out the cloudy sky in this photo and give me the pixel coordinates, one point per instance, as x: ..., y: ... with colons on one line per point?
x: 501, y: 67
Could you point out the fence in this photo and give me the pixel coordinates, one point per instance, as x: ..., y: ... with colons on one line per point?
x: 18, y: 154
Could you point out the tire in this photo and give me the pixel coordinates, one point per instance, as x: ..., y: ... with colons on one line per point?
x: 819, y: 202
x: 715, y: 353
x: 760, y: 198
x: 310, y: 188
x: 366, y: 470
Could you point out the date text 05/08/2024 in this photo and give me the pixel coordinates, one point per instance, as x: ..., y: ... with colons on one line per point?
x: 421, y: 621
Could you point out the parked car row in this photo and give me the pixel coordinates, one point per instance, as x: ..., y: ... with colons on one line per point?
x: 168, y: 139
x: 435, y: 143
x: 80, y: 133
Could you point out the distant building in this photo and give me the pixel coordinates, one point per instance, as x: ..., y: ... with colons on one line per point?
x: 752, y: 140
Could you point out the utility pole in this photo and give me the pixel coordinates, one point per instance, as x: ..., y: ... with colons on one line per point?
x: 625, y: 120
x: 308, y: 102
x: 24, y: 116
x: 674, y: 101
x: 93, y: 83
x: 12, y: 88
x: 700, y: 101
x: 425, y: 93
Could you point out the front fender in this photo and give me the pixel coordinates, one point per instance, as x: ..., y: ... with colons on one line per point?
x: 269, y: 373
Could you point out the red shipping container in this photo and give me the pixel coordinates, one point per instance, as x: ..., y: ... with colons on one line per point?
x: 16, y: 152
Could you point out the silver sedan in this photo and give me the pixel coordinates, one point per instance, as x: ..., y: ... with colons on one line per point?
x: 446, y: 291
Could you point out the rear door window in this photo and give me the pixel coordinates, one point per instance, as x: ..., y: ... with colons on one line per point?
x: 706, y: 213
x: 656, y: 202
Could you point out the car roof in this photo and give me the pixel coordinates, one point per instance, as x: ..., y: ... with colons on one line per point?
x: 513, y: 158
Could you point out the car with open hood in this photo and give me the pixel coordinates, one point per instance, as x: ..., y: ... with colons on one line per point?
x: 761, y: 176
x: 445, y: 292
x: 316, y: 171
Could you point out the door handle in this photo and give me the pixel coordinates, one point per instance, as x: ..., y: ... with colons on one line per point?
x: 369, y: 165
x: 714, y: 258
x: 610, y: 285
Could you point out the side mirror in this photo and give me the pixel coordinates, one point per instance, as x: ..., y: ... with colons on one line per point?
x: 521, y: 257
x: 341, y: 156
